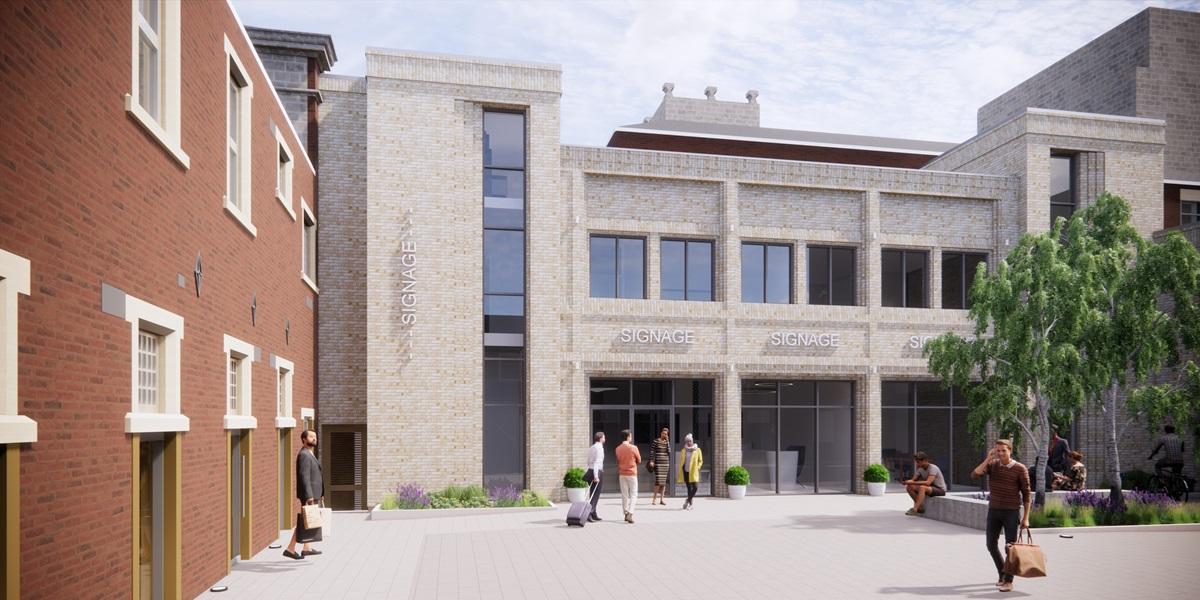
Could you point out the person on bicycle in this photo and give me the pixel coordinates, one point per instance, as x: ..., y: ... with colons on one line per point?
x: 1172, y: 448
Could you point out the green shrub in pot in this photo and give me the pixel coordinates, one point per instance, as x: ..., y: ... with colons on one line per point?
x: 737, y: 475
x: 876, y: 473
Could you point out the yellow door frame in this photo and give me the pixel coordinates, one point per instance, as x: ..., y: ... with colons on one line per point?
x: 11, y: 550
x: 172, y: 515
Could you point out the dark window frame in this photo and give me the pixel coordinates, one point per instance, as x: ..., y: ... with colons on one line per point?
x: 1186, y: 216
x: 829, y: 264
x: 1074, y: 185
x: 712, y: 267
x: 966, y: 279
x: 956, y: 402
x: 904, y: 252
x: 617, y: 263
x: 790, y: 272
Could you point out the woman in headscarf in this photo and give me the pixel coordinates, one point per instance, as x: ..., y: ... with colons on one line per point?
x: 690, y: 461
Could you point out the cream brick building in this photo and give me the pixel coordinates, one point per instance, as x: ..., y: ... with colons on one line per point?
x: 804, y: 393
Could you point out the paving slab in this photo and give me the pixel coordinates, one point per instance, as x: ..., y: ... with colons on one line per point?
x: 827, y: 546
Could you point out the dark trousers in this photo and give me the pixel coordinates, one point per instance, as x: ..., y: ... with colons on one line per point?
x: 997, y: 519
x: 691, y: 488
x: 594, y: 492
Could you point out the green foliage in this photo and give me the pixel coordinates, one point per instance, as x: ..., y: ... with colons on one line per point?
x: 737, y: 475
x: 471, y: 496
x: 532, y: 498
x: 1058, y: 514
x: 1127, y: 337
x: 389, y: 502
x: 574, y: 478
x: 876, y: 473
x: 1029, y: 320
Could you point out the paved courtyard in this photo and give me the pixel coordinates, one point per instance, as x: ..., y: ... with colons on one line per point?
x: 760, y: 547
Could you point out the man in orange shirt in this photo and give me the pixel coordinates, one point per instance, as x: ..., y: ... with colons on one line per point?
x: 628, y: 458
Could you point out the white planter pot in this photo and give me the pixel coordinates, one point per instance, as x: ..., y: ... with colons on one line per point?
x: 876, y: 488
x: 577, y: 495
x: 737, y: 492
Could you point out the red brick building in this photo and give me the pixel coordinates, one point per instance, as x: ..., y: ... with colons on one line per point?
x: 157, y: 298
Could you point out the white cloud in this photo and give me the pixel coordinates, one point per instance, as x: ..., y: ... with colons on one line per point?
x: 915, y: 69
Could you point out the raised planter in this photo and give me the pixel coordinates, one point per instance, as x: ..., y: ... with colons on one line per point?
x: 577, y: 495
x: 403, y: 514
x: 960, y: 508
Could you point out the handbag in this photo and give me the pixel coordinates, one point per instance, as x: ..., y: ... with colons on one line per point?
x: 312, y: 516
x: 1025, y: 558
x: 649, y: 468
x: 306, y: 536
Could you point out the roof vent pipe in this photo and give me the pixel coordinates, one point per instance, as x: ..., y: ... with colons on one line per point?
x: 710, y: 92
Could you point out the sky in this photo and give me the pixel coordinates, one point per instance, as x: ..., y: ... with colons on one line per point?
x: 908, y: 69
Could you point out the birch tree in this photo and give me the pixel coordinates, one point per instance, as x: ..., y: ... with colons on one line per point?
x: 1029, y: 319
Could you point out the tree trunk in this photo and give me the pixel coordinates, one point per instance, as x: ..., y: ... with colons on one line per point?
x: 1112, y: 455
x: 1041, y: 433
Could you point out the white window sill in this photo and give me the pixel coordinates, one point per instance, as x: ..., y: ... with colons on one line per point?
x: 286, y: 206
x: 146, y: 121
x: 310, y: 283
x: 242, y: 218
x: 17, y: 429
x: 240, y: 422
x: 155, y: 423
x: 285, y: 422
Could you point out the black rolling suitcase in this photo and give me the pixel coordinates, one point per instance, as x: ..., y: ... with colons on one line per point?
x: 578, y: 512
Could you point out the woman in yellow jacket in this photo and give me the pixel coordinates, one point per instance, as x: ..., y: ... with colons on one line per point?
x: 690, y: 460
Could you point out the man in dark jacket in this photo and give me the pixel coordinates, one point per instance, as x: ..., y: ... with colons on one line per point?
x: 310, y: 488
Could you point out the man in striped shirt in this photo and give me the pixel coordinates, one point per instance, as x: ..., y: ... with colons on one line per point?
x: 1008, y: 483
x: 1172, y: 448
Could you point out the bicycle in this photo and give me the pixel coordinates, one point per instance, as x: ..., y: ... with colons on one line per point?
x: 1173, y: 484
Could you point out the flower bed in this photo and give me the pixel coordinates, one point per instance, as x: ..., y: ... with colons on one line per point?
x: 1089, y: 509
x: 412, y: 501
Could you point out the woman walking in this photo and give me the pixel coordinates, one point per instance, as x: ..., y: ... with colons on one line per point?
x: 660, y: 464
x: 690, y: 460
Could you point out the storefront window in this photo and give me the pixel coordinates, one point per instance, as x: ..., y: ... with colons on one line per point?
x: 922, y: 416
x: 797, y: 436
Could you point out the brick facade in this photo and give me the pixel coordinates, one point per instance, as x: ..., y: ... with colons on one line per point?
x: 90, y: 198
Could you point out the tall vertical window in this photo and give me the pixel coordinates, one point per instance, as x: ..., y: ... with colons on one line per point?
x: 233, y: 139
x: 831, y: 276
x: 617, y: 266
x: 1062, y: 187
x: 238, y: 91
x: 904, y: 278
x: 687, y: 270
x: 1189, y: 212
x: 283, y: 176
x: 766, y: 273
x: 503, y: 452
x: 149, y: 371
x: 150, y: 56
x: 797, y: 436
x: 958, y: 274
x: 153, y: 98
x: 308, y: 246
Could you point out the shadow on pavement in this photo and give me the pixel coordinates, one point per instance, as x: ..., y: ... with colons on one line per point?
x: 271, y: 567
x: 874, y: 522
x: 965, y: 591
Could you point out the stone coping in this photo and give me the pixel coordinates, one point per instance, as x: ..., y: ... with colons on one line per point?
x: 405, y: 514
x: 960, y: 508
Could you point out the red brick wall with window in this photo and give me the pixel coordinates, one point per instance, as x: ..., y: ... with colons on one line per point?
x: 88, y: 196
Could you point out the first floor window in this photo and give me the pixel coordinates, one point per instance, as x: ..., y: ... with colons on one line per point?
x: 617, y: 267
x: 831, y: 276
x: 958, y: 275
x: 766, y: 273
x: 150, y: 63
x: 687, y: 270
x: 1189, y: 212
x: 1062, y: 187
x: 308, y: 243
x: 904, y: 278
